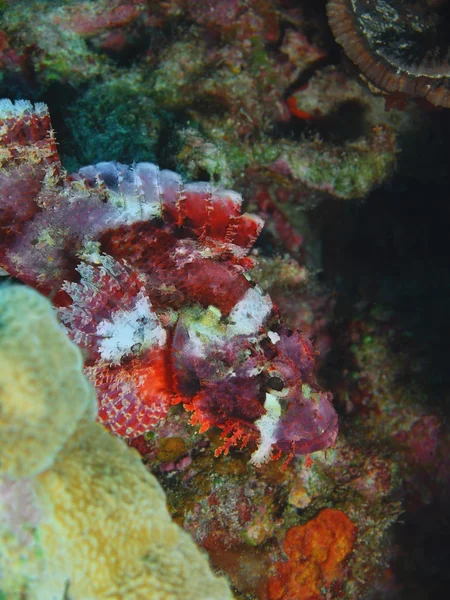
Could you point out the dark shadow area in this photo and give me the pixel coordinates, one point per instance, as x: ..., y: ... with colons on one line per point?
x: 347, y: 123
x: 393, y: 250
x: 423, y: 539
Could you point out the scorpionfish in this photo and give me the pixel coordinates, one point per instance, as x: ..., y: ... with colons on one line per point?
x: 150, y: 277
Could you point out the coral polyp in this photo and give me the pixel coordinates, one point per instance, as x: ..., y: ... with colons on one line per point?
x: 150, y: 277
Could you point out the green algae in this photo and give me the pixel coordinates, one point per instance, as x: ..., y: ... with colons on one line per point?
x: 113, y: 121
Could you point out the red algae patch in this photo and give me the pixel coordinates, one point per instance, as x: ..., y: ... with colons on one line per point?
x: 317, y: 553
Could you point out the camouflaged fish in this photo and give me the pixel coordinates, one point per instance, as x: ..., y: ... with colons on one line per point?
x: 149, y: 275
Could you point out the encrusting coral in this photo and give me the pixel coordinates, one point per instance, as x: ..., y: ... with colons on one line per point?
x: 317, y: 553
x: 80, y: 516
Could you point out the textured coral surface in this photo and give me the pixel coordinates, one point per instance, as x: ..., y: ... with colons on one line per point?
x: 32, y: 403
x: 316, y: 555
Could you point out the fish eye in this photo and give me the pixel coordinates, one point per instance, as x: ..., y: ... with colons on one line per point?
x: 275, y: 383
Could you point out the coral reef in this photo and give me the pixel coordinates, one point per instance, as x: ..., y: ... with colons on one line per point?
x: 207, y: 89
x: 86, y: 520
x: 188, y: 313
x: 150, y: 276
x: 388, y: 399
x: 241, y: 515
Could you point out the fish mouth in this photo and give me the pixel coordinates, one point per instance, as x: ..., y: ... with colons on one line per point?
x: 321, y: 442
x: 309, y: 427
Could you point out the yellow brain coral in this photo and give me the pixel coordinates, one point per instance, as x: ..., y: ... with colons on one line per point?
x: 43, y: 392
x: 93, y: 524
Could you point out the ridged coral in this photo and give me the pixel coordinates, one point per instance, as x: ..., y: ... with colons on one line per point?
x: 93, y: 523
x: 108, y: 531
